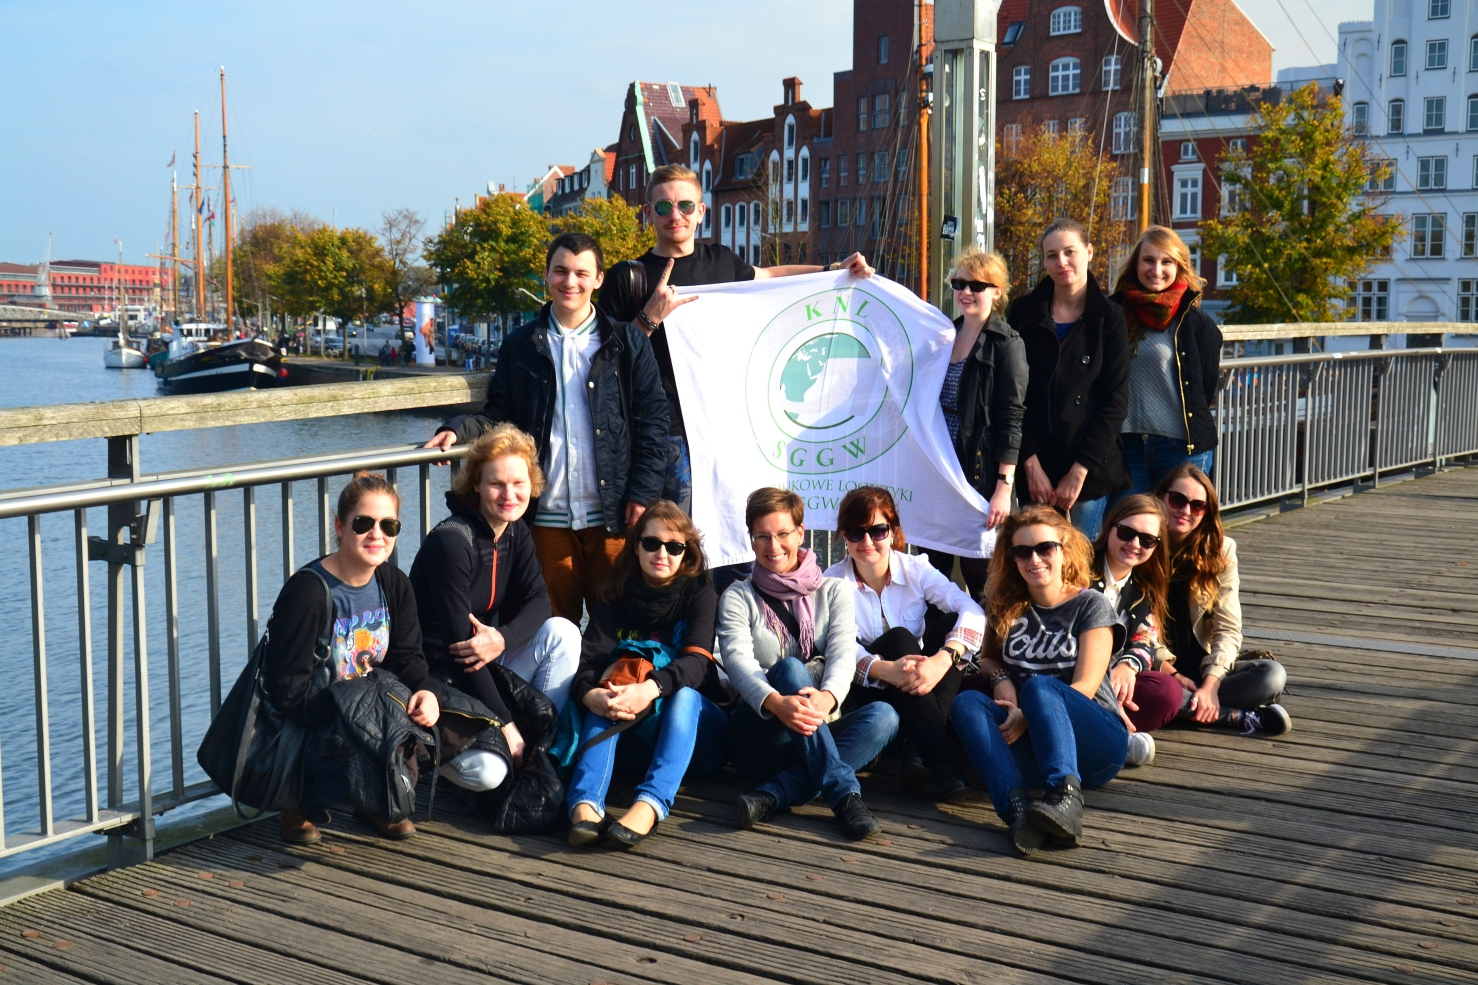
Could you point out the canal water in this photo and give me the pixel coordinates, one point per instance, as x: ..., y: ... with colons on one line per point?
x: 51, y: 371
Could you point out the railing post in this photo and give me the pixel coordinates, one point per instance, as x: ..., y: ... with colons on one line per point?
x: 123, y: 463
x: 1443, y: 362
x: 212, y: 600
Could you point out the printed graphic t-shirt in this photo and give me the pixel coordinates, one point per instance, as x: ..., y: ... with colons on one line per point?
x: 361, y: 625
x: 1045, y: 640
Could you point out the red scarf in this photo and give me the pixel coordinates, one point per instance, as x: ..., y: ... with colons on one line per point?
x: 1155, y: 309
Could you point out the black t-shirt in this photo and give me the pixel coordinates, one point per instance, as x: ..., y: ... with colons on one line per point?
x: 1180, y: 635
x: 707, y: 264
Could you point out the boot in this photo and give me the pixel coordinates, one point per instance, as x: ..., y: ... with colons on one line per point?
x: 1060, y: 814
x: 297, y: 829
x: 1024, y: 837
x: 856, y: 820
x: 399, y: 831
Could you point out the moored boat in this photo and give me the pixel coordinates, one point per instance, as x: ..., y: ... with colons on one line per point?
x: 245, y: 364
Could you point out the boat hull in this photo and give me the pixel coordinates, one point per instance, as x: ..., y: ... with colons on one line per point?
x: 117, y: 358
x: 246, y: 365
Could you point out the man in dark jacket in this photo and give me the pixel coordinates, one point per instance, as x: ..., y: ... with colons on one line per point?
x: 588, y: 390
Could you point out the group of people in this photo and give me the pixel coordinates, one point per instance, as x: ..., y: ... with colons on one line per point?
x: 1108, y: 609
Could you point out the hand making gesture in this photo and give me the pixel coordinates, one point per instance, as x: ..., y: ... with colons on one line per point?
x: 663, y: 302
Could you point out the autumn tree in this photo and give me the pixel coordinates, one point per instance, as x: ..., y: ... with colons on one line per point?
x: 489, y: 256
x: 1042, y: 176
x: 1298, y: 227
x: 616, y: 226
x: 339, y: 272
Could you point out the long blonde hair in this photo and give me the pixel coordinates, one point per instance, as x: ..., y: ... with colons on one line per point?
x: 1167, y: 241
x: 1006, y: 589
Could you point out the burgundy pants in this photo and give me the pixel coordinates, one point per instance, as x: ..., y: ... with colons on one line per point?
x: 1159, y: 696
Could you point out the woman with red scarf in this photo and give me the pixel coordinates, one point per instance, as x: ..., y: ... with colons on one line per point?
x: 1175, y: 362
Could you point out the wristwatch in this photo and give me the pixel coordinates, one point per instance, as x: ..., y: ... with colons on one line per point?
x: 1007, y: 477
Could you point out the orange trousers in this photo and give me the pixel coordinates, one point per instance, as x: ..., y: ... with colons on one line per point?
x: 575, y: 564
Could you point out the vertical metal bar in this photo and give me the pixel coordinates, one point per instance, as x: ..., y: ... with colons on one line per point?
x: 212, y: 602
x: 425, y: 484
x: 38, y: 653
x: 123, y: 463
x: 84, y: 679
x: 145, y: 828
x: 249, y: 525
x: 172, y: 643
x: 288, y: 565
x: 323, y: 515
x: 392, y: 476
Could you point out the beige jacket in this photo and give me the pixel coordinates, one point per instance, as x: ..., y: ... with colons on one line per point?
x: 1219, y: 628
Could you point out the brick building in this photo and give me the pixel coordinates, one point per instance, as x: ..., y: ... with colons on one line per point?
x: 85, y: 286
x: 652, y: 132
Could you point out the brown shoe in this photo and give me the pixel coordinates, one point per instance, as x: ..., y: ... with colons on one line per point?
x: 399, y: 831
x: 297, y: 829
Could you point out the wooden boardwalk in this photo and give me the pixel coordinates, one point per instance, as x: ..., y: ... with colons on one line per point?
x: 1346, y: 851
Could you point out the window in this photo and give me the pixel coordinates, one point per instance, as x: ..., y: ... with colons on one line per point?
x: 1187, y: 150
x: 1398, y: 58
x: 883, y: 50
x: 1377, y: 183
x: 754, y: 217
x: 1195, y: 251
x: 1437, y: 54
x: 789, y: 134
x: 859, y: 214
x: 805, y: 167
x: 826, y: 172
x: 1013, y: 32
x: 1077, y: 126
x: 707, y: 176
x: 1470, y: 234
x: 745, y: 165
x: 877, y: 215
x: 861, y: 113
x: 789, y: 211
x: 1237, y: 145
x: 880, y: 111
x: 707, y: 222
x: 1475, y: 170
x: 1063, y: 76
x: 1427, y: 233
x: 1467, y: 300
x: 728, y: 217
x: 1066, y: 20
x: 1434, y: 113
x: 1052, y: 127
x: 902, y: 165
x: 741, y: 217
x: 693, y: 153
x: 1431, y: 173
x: 754, y: 254
x: 675, y: 95
x: 631, y: 177
x: 1021, y: 82
x: 1438, y: 9
x: 1360, y: 119
x: 1188, y: 196
x: 1373, y: 300
x: 844, y: 210
x: 1233, y: 199
x: 805, y: 211
x: 1012, y: 135
x: 1473, y: 112
x: 1125, y: 125
x: 1396, y: 116
x: 1121, y: 199
x: 774, y: 171
x: 861, y: 169
x: 842, y: 171
x: 1473, y: 53
x: 1225, y: 275
x: 789, y: 170
x: 880, y: 166
x: 825, y: 214
x: 1113, y: 71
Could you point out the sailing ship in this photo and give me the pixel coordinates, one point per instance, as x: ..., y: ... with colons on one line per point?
x: 124, y: 353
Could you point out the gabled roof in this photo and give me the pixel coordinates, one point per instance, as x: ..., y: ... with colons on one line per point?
x: 736, y: 139
x: 664, y: 109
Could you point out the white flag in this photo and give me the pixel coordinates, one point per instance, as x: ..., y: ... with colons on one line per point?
x: 820, y: 383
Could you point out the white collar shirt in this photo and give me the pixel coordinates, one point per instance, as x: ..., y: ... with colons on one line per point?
x: 572, y: 496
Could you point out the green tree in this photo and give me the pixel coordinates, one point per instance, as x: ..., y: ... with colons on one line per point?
x: 260, y: 248
x: 616, y: 226
x: 1300, y: 228
x: 338, y: 272
x: 488, y: 254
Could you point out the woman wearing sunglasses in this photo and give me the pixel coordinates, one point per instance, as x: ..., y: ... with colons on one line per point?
x: 893, y: 591
x: 788, y: 643
x: 1203, y: 634
x: 375, y: 626
x: 658, y: 597
x: 1131, y: 567
x: 984, y: 396
x: 1051, y: 719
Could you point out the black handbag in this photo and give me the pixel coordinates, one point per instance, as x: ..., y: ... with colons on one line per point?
x: 532, y: 799
x: 252, y: 751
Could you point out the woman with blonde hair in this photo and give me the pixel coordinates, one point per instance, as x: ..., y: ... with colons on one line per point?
x: 984, y: 395
x: 1051, y: 719
x: 1175, y: 361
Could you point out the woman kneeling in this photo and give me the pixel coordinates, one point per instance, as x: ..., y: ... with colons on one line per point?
x: 1051, y: 719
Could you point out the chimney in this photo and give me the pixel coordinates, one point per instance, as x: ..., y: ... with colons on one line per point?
x: 792, y: 90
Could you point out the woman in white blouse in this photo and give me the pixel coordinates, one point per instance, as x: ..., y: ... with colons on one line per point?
x: 893, y: 592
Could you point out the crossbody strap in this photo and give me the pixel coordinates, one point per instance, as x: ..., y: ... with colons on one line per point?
x: 783, y: 613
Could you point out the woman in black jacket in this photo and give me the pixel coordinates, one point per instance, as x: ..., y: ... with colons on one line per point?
x: 1078, y: 390
x: 984, y: 396
x: 375, y: 626
x: 481, y: 596
x: 1175, y: 361
x: 659, y: 605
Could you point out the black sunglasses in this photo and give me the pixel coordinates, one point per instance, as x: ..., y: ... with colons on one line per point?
x: 1180, y: 501
x: 664, y: 207
x: 1129, y: 535
x: 978, y: 286
x: 675, y: 548
x: 362, y: 525
x: 878, y: 532
x: 1024, y: 552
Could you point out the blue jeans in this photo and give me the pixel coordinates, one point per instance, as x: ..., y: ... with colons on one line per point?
x: 797, y: 768
x: 1067, y: 734
x: 1149, y: 456
x: 548, y: 660
x: 685, y: 735
x: 677, y: 484
x: 1087, y: 515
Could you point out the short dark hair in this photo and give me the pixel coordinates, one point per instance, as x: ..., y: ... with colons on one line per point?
x: 576, y: 243
x: 770, y: 499
x: 858, y: 506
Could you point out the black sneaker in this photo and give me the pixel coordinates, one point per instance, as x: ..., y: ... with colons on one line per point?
x: 915, y: 774
x: 1060, y: 814
x: 754, y: 807
x: 1024, y: 837
x: 1269, y: 720
x: 855, y: 818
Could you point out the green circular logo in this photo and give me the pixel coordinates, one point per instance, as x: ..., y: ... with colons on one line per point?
x: 827, y: 383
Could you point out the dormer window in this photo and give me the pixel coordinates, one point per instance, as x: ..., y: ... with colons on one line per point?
x: 1066, y: 20
x: 1013, y: 33
x: 675, y: 94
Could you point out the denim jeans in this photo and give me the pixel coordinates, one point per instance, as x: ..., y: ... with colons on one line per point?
x: 1067, y: 734
x: 797, y: 768
x: 1087, y: 515
x: 686, y: 735
x: 1149, y: 456
x: 677, y: 485
x: 548, y: 660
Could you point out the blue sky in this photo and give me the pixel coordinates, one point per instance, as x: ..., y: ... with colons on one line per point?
x: 346, y: 109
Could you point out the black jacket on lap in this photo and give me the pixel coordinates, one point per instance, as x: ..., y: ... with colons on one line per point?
x: 1077, y: 396
x: 1198, y: 364
x: 991, y: 402
x: 627, y: 407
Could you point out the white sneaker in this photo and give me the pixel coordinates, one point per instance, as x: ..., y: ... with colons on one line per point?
x: 1141, y: 749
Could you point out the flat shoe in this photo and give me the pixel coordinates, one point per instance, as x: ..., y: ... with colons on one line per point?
x: 586, y: 832
x: 626, y: 838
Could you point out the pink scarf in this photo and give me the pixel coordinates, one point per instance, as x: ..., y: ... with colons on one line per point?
x: 795, y: 588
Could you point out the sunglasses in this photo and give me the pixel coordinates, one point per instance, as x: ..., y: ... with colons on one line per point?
x: 652, y: 545
x: 1180, y: 501
x: 664, y: 207
x: 978, y: 286
x: 878, y: 532
x: 1024, y: 552
x: 362, y: 525
x: 1129, y: 535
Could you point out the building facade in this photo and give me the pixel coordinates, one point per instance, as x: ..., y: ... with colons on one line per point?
x: 651, y: 133
x: 591, y: 181
x: 87, y: 287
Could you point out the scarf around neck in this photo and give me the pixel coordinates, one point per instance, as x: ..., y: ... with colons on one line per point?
x: 655, y: 607
x: 1154, y: 309
x: 796, y: 589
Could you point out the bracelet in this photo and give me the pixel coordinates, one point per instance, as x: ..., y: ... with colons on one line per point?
x: 998, y: 678
x: 834, y: 265
x: 646, y: 320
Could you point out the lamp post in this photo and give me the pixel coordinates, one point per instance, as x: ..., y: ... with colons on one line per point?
x: 962, y: 142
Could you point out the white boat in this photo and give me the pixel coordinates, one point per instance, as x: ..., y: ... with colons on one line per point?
x: 124, y: 353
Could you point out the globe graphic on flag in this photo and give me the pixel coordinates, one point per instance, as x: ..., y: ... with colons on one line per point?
x: 830, y: 381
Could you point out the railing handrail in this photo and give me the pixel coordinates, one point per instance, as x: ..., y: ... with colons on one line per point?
x: 1252, y: 362
x: 1274, y: 331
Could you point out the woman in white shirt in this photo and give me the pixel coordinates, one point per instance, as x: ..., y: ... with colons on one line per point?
x: 893, y: 592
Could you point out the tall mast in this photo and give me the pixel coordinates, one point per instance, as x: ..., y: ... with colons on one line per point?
x: 198, y: 206
x: 925, y: 96
x: 1147, y: 121
x: 174, y: 222
x: 122, y: 301
x: 226, y: 200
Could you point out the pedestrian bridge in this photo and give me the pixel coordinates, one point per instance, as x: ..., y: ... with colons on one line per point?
x: 1344, y: 851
